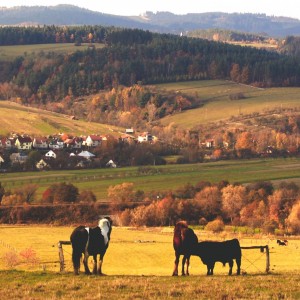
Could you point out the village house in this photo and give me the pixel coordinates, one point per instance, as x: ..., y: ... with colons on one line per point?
x: 93, y: 140
x: 40, y: 143
x: 41, y: 165
x: 209, y: 143
x: 19, y: 157
x: 56, y: 143
x: 73, y: 143
x: 1, y: 160
x: 51, y: 154
x: 6, y: 143
x: 145, y: 137
x: 23, y: 143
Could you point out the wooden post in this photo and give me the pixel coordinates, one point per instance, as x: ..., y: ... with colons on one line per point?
x: 267, y: 259
x: 61, y: 257
x: 61, y: 254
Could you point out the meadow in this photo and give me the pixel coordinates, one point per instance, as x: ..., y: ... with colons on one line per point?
x: 161, y: 178
x: 215, y: 96
x: 11, y: 52
x: 139, y: 264
x: 38, y: 122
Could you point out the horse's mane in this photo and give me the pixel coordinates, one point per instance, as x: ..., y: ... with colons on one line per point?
x: 180, y: 225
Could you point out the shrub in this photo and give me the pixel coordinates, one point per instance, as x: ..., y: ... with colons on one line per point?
x: 215, y: 226
x: 10, y: 259
x: 29, y: 256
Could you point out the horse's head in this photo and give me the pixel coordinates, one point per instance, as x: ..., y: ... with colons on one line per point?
x: 105, y: 225
x: 177, y: 238
x: 180, y: 225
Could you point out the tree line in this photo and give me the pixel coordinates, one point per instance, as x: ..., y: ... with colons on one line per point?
x: 256, y: 205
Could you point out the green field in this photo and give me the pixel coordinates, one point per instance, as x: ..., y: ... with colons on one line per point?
x: 38, y: 122
x: 165, y: 178
x: 11, y: 52
x: 139, y: 263
x: 217, y: 105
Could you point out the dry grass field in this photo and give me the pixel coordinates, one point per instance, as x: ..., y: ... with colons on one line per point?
x: 28, y: 120
x: 139, y: 263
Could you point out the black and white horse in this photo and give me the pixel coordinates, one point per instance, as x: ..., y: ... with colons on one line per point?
x: 90, y: 241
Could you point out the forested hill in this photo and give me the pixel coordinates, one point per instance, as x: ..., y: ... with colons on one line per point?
x: 163, y: 22
x: 136, y: 56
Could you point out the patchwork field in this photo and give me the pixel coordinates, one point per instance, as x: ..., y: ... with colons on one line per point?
x: 139, y: 263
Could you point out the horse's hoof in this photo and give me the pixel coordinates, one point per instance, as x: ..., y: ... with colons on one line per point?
x: 174, y: 274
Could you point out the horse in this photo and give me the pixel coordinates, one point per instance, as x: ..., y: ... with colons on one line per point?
x: 282, y: 243
x: 90, y: 241
x: 184, y: 241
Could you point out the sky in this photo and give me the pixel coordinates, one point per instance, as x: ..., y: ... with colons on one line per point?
x: 286, y: 8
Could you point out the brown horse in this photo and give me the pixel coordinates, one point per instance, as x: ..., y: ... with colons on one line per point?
x: 184, y: 241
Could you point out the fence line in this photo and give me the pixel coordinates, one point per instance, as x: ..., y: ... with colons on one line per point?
x: 261, y: 248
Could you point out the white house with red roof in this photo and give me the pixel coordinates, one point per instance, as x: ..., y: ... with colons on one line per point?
x: 93, y: 140
x: 23, y: 142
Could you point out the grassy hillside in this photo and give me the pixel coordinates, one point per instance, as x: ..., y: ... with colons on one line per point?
x: 139, y: 263
x: 218, y: 106
x: 11, y: 52
x: 21, y: 119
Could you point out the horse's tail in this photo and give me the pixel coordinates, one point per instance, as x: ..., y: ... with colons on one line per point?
x: 78, y: 240
x: 76, y: 257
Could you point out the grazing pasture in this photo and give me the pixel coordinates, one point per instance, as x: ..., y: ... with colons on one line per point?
x: 139, y: 263
x: 161, y: 178
x: 217, y: 105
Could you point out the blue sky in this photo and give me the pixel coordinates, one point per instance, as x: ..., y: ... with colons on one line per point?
x: 287, y: 8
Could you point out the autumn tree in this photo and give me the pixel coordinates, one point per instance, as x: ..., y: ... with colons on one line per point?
x: 235, y: 73
x: 121, y: 193
x: 27, y: 192
x: 233, y: 199
x: 293, y: 220
x: 61, y: 193
x: 208, y: 201
x: 87, y: 196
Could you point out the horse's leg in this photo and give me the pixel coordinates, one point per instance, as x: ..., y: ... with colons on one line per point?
x: 85, y: 263
x: 230, y: 266
x: 99, y: 271
x: 184, y: 259
x: 95, y: 264
x: 238, y: 263
x: 76, y: 257
x: 187, y: 265
x: 175, y: 272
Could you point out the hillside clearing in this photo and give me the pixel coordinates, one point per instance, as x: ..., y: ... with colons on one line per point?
x: 217, y: 105
x: 11, y: 52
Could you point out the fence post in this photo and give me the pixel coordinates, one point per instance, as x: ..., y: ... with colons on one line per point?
x: 267, y: 259
x: 61, y: 257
